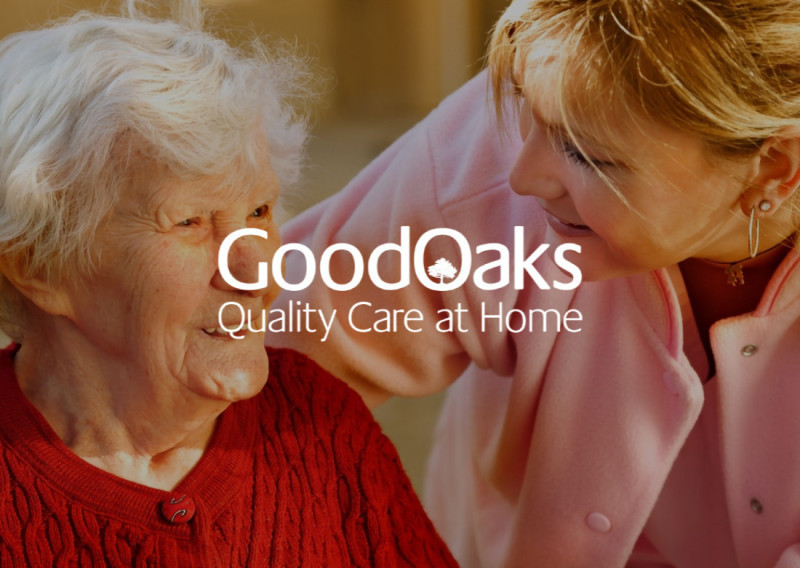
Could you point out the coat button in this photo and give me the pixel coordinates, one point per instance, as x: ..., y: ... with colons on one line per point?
x: 178, y: 509
x: 598, y: 522
x: 749, y: 350
x: 756, y: 505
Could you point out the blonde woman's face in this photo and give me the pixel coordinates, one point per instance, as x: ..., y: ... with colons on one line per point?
x: 670, y: 202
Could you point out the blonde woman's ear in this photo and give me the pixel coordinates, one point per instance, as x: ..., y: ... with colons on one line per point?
x: 776, y: 173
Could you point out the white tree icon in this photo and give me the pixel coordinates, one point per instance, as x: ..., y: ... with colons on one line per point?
x: 442, y: 269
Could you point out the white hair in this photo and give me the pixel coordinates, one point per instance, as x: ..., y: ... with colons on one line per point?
x: 78, y: 96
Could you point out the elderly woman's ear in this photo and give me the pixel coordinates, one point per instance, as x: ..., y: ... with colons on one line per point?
x: 776, y: 174
x: 49, y: 297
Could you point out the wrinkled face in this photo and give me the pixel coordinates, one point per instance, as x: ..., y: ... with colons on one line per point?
x: 151, y: 308
x: 671, y: 202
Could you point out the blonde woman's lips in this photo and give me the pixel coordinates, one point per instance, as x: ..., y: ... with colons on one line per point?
x: 565, y: 228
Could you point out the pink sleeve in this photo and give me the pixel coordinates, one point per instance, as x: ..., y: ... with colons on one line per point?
x: 449, y: 171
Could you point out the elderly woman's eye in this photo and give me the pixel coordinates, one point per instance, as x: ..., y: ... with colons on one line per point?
x: 261, y: 211
x: 188, y: 222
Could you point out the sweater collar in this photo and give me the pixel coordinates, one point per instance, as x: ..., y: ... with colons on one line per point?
x: 211, y: 483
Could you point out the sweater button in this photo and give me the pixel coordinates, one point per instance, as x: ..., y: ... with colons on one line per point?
x: 756, y: 505
x: 749, y: 350
x: 598, y: 522
x: 178, y: 509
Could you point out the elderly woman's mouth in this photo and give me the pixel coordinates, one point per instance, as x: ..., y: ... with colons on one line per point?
x: 217, y: 331
x: 252, y: 322
x: 232, y: 332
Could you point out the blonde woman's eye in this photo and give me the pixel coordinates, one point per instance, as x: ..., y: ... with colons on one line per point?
x: 262, y: 211
x: 575, y: 155
x: 579, y: 158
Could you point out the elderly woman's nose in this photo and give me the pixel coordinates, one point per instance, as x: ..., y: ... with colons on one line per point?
x: 248, y: 259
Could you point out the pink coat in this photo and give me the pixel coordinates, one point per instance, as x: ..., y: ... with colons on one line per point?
x: 557, y: 448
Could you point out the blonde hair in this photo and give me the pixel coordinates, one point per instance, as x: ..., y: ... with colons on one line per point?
x: 79, y: 98
x: 727, y: 72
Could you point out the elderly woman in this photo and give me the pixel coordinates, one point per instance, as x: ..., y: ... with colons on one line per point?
x: 133, y: 431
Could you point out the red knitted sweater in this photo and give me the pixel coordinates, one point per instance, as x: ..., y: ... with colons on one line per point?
x: 299, y: 475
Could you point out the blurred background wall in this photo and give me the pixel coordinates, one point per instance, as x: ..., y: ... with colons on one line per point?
x: 391, y: 61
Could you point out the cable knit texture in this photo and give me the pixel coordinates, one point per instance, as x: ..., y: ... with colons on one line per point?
x: 299, y: 475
